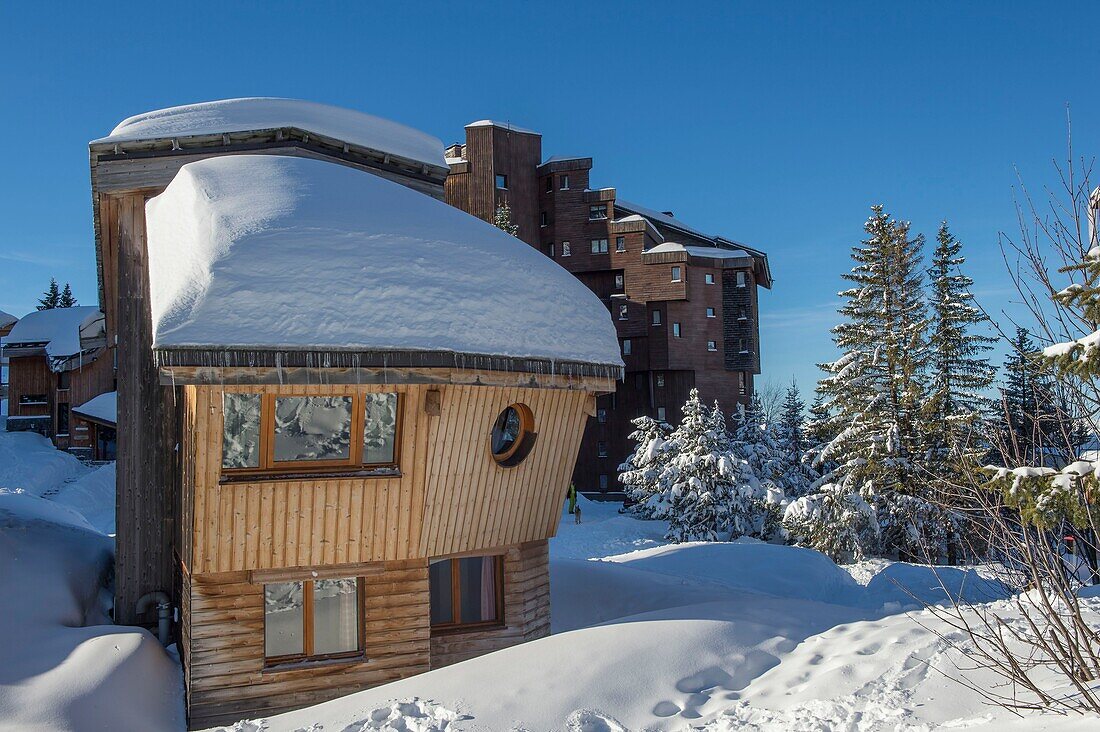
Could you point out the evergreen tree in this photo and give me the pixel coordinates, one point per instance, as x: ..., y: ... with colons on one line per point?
x: 51, y: 298
x: 875, y: 389
x: 760, y: 495
x: 639, y: 473
x: 794, y: 474
x: 502, y: 219
x: 1028, y: 418
x: 959, y: 371
x: 754, y: 440
x: 838, y: 524
x: 66, y: 300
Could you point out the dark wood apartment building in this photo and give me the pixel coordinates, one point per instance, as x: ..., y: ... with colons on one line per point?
x: 684, y: 302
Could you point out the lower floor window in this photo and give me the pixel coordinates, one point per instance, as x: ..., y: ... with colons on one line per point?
x: 466, y: 591
x: 312, y: 619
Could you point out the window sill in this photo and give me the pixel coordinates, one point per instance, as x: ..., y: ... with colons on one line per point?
x: 308, y: 475
x: 470, y: 628
x: 277, y: 667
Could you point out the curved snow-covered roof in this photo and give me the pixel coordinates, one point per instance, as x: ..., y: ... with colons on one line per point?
x: 262, y: 252
x: 265, y: 113
x: 697, y: 251
x: 59, y: 329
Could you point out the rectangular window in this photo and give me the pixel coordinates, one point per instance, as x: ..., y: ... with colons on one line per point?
x: 741, y: 345
x: 565, y: 250
x: 710, y: 312
x: 33, y: 400
x: 620, y: 243
x: 268, y: 432
x: 312, y: 619
x: 563, y: 183
x: 676, y: 276
x: 63, y: 380
x: 549, y: 184
x: 550, y: 250
x: 712, y: 345
x: 639, y: 381
x: 601, y: 416
x: 62, y: 419
x: 466, y: 591
x: 502, y: 181
x: 601, y: 449
x: 597, y: 212
x: 544, y: 219
x: 603, y: 483
x: 656, y: 317
x: 619, y: 282
x: 626, y: 346
x: 661, y: 414
x: 675, y: 330
x: 740, y: 279
x: 709, y: 279
x: 660, y: 380
x: 622, y: 312
x: 741, y: 382
x: 599, y: 246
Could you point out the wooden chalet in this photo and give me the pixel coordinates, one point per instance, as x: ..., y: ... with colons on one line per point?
x: 378, y: 401
x: 56, y: 360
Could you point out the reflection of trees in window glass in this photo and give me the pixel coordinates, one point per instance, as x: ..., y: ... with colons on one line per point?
x: 313, y: 428
x: 506, y: 430
x: 379, y: 428
x: 283, y: 619
x: 241, y: 435
x: 335, y: 616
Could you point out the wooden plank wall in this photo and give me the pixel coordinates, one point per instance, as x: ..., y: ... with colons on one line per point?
x: 147, y: 501
x: 451, y: 495
x: 526, y: 609
x: 226, y: 677
x: 30, y: 375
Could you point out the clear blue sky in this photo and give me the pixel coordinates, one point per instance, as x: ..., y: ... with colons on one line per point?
x: 774, y: 124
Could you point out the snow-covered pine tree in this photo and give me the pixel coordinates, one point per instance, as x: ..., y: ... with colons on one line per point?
x: 875, y: 389
x: 502, y: 219
x: 758, y: 502
x: 754, y: 440
x: 699, y: 476
x: 51, y: 297
x: 958, y: 370
x: 1033, y: 425
x: 834, y: 522
x: 66, y: 300
x: 795, y: 475
x: 639, y: 473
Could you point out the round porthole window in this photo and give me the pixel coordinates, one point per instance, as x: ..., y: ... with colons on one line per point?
x: 513, y: 435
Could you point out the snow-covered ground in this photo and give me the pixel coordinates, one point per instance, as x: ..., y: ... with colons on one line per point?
x: 705, y: 637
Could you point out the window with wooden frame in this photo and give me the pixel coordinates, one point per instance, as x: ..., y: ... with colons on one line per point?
x: 466, y: 592
x: 316, y: 619
x: 290, y: 433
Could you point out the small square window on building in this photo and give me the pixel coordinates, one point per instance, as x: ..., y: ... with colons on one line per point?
x: 599, y: 246
x: 502, y: 181
x: 544, y: 219
x: 741, y: 382
x: 601, y: 415
x: 62, y: 419
x: 622, y: 312
x: 620, y: 243
x: 710, y: 312
x: 597, y: 212
x: 660, y: 380
x: 550, y: 249
x: 675, y: 330
x: 676, y: 274
x: 601, y: 449
x: 709, y: 278
x: 549, y: 184
x: 712, y: 345
x: 603, y: 483
x: 626, y: 346
x: 656, y: 317
x: 565, y: 250
x: 619, y: 282
x: 661, y: 414
x: 740, y: 279
x: 563, y: 183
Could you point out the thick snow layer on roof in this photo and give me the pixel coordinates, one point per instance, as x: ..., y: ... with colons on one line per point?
x: 503, y: 125
x: 103, y: 407
x: 265, y: 113
x: 712, y: 252
x: 263, y: 251
x: 6, y: 319
x: 660, y: 218
x: 58, y: 328
x: 563, y: 158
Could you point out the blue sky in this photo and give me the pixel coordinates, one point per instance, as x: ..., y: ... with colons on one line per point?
x: 774, y: 124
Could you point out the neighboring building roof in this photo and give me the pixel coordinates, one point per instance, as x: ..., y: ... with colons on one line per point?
x: 103, y: 408
x: 263, y: 113
x: 649, y: 224
x: 713, y: 252
x: 7, y: 319
x: 271, y: 253
x: 563, y: 158
x: 503, y: 125
x: 58, y: 330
